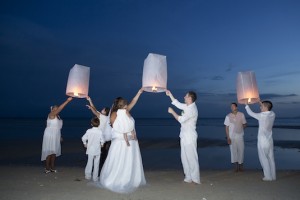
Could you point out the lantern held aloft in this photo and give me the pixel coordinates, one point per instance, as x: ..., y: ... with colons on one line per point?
x: 247, y: 91
x: 78, y: 81
x: 155, y: 73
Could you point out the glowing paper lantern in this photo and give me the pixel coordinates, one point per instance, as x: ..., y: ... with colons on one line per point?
x: 78, y: 81
x: 155, y: 73
x: 247, y: 91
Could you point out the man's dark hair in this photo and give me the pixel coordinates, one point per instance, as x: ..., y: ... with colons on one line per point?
x: 268, y: 104
x: 193, y: 95
x: 233, y: 103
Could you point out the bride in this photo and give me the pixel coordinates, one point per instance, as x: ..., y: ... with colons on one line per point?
x: 123, y: 170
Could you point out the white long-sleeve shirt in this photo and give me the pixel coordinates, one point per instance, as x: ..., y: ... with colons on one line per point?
x: 188, y: 121
x: 93, y: 138
x: 265, y: 121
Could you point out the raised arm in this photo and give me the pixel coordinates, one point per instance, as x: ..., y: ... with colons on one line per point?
x: 169, y: 94
x: 92, y: 107
x: 175, y: 102
x: 251, y: 113
x: 135, y: 99
x: 55, y: 112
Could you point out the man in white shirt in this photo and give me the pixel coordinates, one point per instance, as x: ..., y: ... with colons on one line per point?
x: 188, y: 135
x: 235, y: 123
x: 265, y: 144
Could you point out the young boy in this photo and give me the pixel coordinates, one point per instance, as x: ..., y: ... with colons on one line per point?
x: 264, y: 139
x: 93, y: 141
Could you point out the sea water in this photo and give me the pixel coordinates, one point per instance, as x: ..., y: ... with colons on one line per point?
x: 159, y: 141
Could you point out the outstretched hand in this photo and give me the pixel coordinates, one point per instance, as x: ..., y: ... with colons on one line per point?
x: 168, y: 93
x: 170, y: 110
x: 89, y: 107
x: 141, y: 90
x: 70, y: 99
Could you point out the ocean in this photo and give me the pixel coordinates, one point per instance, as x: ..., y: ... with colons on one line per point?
x: 159, y: 142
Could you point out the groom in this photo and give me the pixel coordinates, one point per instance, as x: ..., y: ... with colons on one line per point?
x: 188, y: 135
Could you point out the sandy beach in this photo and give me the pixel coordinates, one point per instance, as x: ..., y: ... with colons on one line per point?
x: 22, y: 175
x: 30, y: 183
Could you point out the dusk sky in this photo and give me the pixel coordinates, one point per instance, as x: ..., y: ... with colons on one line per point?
x: 207, y: 42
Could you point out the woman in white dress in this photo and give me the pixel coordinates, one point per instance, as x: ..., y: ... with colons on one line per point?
x: 123, y: 169
x: 52, y: 137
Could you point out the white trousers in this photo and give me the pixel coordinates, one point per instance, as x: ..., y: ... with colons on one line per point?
x: 266, y: 158
x: 92, y: 160
x: 237, y: 150
x: 189, y: 159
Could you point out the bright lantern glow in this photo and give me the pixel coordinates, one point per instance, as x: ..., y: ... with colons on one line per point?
x: 155, y: 73
x: 154, y: 89
x: 78, y: 81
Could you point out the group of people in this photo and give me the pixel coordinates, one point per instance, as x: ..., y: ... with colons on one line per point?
x: 112, y: 142
x: 235, y: 123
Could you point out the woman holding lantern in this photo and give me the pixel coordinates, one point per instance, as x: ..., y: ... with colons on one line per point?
x: 123, y: 170
x: 51, y: 147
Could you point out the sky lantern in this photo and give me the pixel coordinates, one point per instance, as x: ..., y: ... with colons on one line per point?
x: 155, y: 73
x: 78, y: 81
x: 247, y: 91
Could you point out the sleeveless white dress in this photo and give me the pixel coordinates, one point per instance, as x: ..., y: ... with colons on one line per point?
x: 123, y: 170
x: 51, y: 139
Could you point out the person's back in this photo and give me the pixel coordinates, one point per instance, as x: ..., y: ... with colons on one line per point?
x: 266, y: 123
x: 123, y: 170
x: 265, y: 144
x: 93, y: 141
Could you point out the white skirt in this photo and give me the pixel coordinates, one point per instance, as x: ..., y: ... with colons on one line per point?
x: 51, y: 142
x: 123, y: 169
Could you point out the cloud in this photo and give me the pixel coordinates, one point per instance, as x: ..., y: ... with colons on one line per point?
x: 290, y: 73
x: 292, y: 102
x: 217, y: 78
x: 229, y: 68
x: 272, y: 96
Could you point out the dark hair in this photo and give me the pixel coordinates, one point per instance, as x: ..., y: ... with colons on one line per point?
x: 233, y: 103
x: 106, y: 110
x: 119, y: 102
x: 193, y: 95
x: 268, y: 104
x: 95, y: 122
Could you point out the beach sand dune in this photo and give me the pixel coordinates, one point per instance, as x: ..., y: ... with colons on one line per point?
x: 30, y: 183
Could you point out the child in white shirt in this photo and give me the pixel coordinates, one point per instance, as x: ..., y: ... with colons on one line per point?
x: 93, y: 141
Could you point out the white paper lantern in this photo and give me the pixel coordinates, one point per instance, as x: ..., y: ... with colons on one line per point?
x: 247, y: 91
x: 78, y: 81
x: 155, y: 73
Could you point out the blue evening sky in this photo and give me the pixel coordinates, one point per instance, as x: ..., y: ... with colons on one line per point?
x: 207, y: 42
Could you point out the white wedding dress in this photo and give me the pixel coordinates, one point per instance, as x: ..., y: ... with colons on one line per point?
x: 123, y: 170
